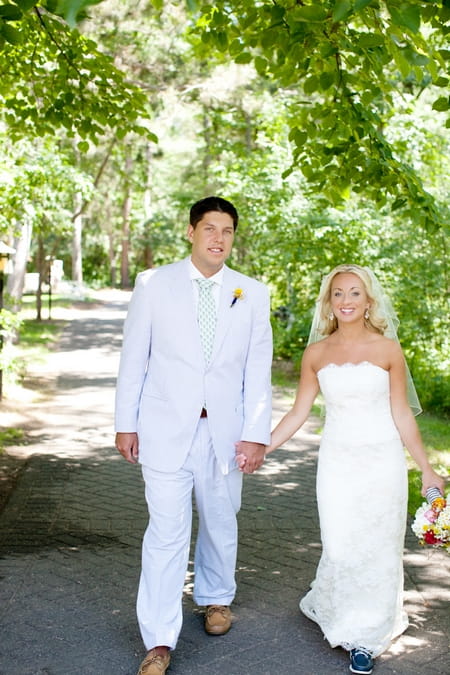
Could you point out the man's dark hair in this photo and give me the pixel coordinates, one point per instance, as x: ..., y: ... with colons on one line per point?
x: 201, y: 207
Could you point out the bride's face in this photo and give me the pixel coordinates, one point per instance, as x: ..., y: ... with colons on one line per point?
x: 349, y: 299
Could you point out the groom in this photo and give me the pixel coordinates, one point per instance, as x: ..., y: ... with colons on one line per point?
x: 194, y: 379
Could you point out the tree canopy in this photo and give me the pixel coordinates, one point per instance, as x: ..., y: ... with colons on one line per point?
x: 53, y: 77
x: 343, y: 63
x: 325, y: 122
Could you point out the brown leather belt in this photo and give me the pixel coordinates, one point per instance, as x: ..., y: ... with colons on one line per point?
x: 204, y: 413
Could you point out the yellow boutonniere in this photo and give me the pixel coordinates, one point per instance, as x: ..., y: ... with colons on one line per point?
x: 238, y: 294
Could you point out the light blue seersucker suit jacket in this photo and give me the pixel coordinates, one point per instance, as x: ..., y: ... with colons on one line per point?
x: 163, y: 381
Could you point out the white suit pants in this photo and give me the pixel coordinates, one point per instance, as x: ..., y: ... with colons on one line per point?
x: 166, y: 543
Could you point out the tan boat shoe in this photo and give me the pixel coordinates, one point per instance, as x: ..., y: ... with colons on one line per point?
x: 217, y: 619
x: 154, y: 663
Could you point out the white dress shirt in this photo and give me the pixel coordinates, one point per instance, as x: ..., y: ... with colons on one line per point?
x: 217, y: 278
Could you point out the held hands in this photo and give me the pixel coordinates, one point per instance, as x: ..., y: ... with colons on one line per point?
x: 128, y: 445
x: 431, y: 479
x: 249, y: 456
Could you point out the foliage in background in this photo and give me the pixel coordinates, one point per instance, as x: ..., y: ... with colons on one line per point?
x: 342, y: 63
x: 53, y: 77
x: 330, y: 135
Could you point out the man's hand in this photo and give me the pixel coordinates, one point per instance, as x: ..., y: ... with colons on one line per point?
x: 128, y: 445
x: 254, y: 454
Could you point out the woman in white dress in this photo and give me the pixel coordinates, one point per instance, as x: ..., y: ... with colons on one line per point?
x: 356, y: 597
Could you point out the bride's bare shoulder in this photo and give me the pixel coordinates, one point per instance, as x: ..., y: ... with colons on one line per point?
x: 386, y: 343
x: 314, y: 351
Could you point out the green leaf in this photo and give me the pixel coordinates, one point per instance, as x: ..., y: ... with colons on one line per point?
x: 11, y: 34
x: 313, y: 13
x: 326, y: 80
x: 73, y: 10
x: 311, y: 85
x: 441, y: 104
x: 25, y: 5
x: 407, y: 16
x: 261, y: 65
x: 270, y: 40
x: 327, y: 49
x: 142, y: 131
x: 83, y: 146
x: 277, y: 13
x: 403, y: 65
x: 235, y: 47
x: 360, y: 4
x: 287, y: 172
x: 221, y: 40
x: 307, y: 171
x: 341, y: 10
x: 10, y: 12
x: 249, y: 19
x: 298, y: 137
x: 414, y: 57
x: 398, y: 203
x: 367, y: 40
x: 243, y: 57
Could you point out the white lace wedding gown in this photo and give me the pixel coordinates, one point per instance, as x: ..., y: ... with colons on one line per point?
x: 356, y: 597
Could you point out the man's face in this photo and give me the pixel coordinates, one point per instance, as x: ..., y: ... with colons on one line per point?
x: 212, y: 240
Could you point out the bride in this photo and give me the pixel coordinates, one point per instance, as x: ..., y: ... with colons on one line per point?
x: 354, y: 358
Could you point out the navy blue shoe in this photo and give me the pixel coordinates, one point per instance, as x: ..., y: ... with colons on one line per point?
x: 361, y: 660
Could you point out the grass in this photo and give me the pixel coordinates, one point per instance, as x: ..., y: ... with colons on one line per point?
x: 435, y: 436
x: 34, y: 334
x: 34, y: 339
x: 11, y: 436
x: 29, y: 301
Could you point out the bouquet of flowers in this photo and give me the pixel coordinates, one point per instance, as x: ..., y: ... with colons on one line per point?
x: 432, y: 521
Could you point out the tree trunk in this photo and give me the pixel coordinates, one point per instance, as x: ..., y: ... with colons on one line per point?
x: 126, y: 212
x: 77, y: 260
x: 207, y: 150
x: 16, y: 280
x: 41, y: 271
x: 148, y: 210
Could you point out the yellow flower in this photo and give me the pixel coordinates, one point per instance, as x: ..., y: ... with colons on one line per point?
x: 438, y: 504
x: 238, y: 294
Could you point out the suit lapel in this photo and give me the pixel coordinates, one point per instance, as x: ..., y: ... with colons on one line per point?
x: 183, y: 309
x: 224, y: 314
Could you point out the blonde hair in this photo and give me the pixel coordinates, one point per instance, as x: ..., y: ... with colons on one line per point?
x: 376, y: 320
x: 382, y: 317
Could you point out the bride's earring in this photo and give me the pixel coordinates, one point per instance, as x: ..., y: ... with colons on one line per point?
x: 366, y: 314
x: 331, y: 316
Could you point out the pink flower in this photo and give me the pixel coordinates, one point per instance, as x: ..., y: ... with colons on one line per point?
x: 431, y: 515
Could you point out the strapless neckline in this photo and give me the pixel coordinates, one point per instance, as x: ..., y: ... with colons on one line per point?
x: 349, y: 364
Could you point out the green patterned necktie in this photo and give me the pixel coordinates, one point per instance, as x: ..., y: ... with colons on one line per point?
x: 206, y: 316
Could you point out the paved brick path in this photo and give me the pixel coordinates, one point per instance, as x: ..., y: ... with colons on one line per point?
x: 70, y: 538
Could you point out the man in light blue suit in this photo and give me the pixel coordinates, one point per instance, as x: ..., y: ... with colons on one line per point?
x: 194, y: 379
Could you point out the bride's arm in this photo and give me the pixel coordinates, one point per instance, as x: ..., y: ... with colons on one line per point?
x: 406, y: 424
x: 307, y: 390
